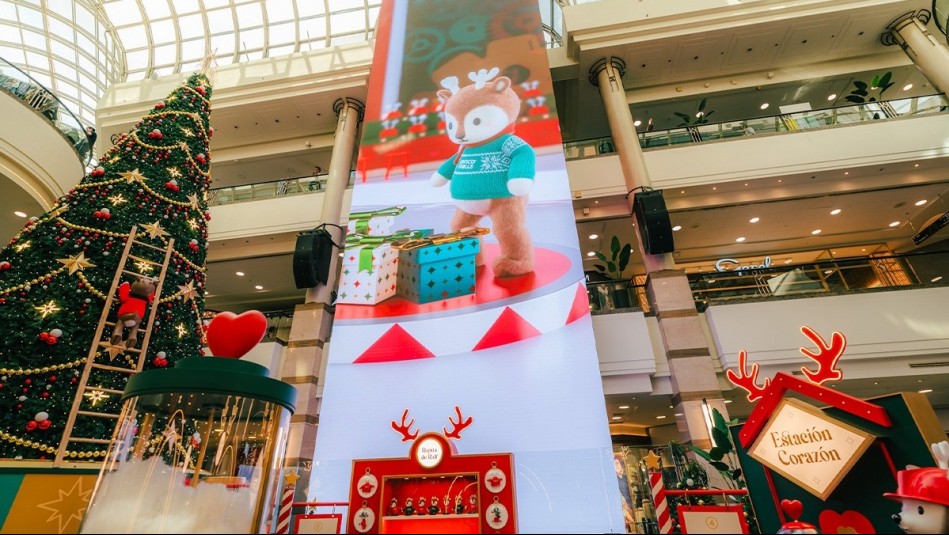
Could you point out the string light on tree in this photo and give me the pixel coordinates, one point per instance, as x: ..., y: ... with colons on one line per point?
x: 47, y: 308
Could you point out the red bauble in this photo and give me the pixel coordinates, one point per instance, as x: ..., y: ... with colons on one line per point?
x: 32, y: 425
x: 201, y: 159
x: 200, y: 89
x: 160, y: 105
x: 51, y: 340
x: 45, y: 394
x: 44, y: 336
x: 160, y: 362
x: 44, y: 425
x: 98, y: 171
x: 28, y: 382
x: 4, y: 266
x: 211, y: 132
x: 97, y: 214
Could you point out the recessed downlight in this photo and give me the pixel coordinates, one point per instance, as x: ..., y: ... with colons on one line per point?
x: 19, y: 213
x: 936, y: 279
x: 832, y: 96
x: 921, y: 202
x: 835, y: 211
x: 258, y: 287
x: 754, y: 220
x: 623, y: 407
x: 740, y: 239
x: 895, y: 224
x: 594, y: 236
x: 677, y: 228
x: 764, y: 106
x: 728, y: 401
x: 239, y: 273
x: 617, y: 418
x: 660, y: 417
x: 907, y: 87
x: 925, y: 390
x: 637, y: 123
x: 816, y: 231
x: 591, y: 253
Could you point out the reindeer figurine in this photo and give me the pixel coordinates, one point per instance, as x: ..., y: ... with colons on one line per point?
x: 924, y: 495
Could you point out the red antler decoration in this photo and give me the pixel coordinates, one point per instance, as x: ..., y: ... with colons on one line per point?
x: 403, y: 428
x: 827, y: 357
x: 747, y: 381
x: 456, y: 426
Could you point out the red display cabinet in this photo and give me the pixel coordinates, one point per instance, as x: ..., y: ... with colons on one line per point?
x: 472, y: 493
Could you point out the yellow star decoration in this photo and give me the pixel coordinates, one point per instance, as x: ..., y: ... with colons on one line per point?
x: 117, y: 199
x: 132, y: 176
x: 290, y: 479
x: 187, y: 132
x: 193, y: 199
x: 652, y: 461
x: 67, y: 508
x: 187, y: 291
x: 95, y: 396
x: 193, y: 223
x: 47, y: 309
x: 154, y: 229
x: 22, y: 246
x: 173, y: 172
x: 182, y: 145
x: 182, y: 330
x: 112, y: 349
x: 143, y: 267
x: 76, y: 263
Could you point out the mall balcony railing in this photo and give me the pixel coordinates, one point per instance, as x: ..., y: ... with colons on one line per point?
x: 774, y: 124
x: 299, y: 185
x: 34, y: 95
x: 813, y: 279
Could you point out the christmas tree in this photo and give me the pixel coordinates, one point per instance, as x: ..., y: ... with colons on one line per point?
x: 57, y: 271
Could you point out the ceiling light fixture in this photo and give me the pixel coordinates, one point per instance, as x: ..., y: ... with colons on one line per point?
x: 594, y: 236
x: 19, y: 213
x: 936, y: 279
x: 816, y: 231
x: 623, y: 407
x: 765, y: 106
x: 916, y: 165
x: 637, y: 123
x: 259, y: 287
x: 661, y: 417
x: 740, y: 239
x: 754, y: 220
x: 895, y: 224
x: 925, y: 390
x: 591, y: 253
x: 728, y: 401
x: 832, y: 96
x: 907, y: 87
x: 835, y: 211
x: 828, y: 271
x: 617, y: 418
x: 921, y: 202
x: 239, y: 273
x: 677, y: 228
x: 788, y: 261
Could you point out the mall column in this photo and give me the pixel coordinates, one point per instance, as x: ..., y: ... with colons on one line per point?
x: 683, y: 339
x: 312, y: 320
x: 910, y: 32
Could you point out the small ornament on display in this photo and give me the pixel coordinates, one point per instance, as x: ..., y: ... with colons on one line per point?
x: 496, y: 514
x: 201, y: 158
x: 433, y: 506
x: 409, y: 508
x: 172, y: 185
x: 422, y: 506
x: 394, y: 509
x: 494, y: 479
x: 364, y: 518
x: 794, y: 508
x: 367, y: 485
x: 155, y: 134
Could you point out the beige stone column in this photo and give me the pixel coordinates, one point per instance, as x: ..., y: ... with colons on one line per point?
x: 683, y: 339
x: 303, y: 362
x: 910, y: 33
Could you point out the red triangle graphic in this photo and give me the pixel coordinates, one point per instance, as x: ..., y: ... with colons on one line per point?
x: 395, y: 344
x: 581, y: 305
x: 508, y: 328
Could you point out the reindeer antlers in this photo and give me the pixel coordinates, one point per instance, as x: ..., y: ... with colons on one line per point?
x: 404, y: 428
x: 827, y: 357
x: 747, y: 381
x: 451, y: 83
x: 458, y: 426
x: 481, y: 77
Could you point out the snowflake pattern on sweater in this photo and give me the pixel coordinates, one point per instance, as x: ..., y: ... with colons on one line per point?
x: 482, y: 172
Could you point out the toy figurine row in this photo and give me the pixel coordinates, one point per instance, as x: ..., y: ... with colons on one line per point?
x: 431, y: 507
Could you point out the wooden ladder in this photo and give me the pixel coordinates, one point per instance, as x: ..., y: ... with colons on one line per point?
x: 98, y: 342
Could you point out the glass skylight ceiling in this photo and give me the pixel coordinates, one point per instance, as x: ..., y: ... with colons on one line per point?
x: 64, y: 46
x: 166, y: 36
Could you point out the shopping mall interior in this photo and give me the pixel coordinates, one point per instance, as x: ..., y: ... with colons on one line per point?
x: 794, y: 199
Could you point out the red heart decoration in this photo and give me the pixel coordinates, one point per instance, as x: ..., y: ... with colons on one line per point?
x: 846, y: 522
x: 793, y: 508
x: 232, y: 336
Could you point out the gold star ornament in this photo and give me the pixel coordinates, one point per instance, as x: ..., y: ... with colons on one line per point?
x: 193, y: 199
x: 290, y: 479
x: 154, y: 229
x: 46, y: 309
x: 133, y: 176
x: 652, y: 461
x: 187, y: 291
x: 173, y: 172
x: 95, y: 396
x: 117, y: 199
x: 20, y: 247
x: 76, y: 263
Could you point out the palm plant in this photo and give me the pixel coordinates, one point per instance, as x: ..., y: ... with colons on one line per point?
x: 619, y: 259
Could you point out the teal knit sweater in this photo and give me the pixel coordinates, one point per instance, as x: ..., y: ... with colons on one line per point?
x: 482, y: 172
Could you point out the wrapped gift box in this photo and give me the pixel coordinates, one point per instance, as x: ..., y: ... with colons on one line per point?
x: 438, y: 267
x: 368, y: 273
x: 373, y: 223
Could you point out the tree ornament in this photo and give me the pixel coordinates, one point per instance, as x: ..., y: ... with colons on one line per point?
x: 56, y: 333
x: 4, y: 265
x: 172, y: 185
x: 97, y: 172
x: 155, y: 134
x: 44, y: 425
x: 40, y: 416
x: 32, y: 425
x: 201, y: 158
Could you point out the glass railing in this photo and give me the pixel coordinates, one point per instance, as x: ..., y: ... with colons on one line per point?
x: 831, y: 277
x: 284, y: 187
x: 775, y: 124
x: 32, y: 93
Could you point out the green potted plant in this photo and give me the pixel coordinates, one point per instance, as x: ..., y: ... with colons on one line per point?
x: 613, y: 267
x: 864, y: 93
x: 691, y: 122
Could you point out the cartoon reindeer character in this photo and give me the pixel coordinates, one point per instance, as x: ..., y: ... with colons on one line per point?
x: 493, y: 171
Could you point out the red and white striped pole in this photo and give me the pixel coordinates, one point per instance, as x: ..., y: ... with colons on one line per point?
x: 286, y: 503
x: 663, y: 516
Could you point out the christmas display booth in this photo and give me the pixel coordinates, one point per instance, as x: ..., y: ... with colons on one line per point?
x: 197, y: 449
x: 434, y: 489
x: 813, y: 452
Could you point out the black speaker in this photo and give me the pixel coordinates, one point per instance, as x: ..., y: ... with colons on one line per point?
x: 653, y: 220
x: 311, y: 259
